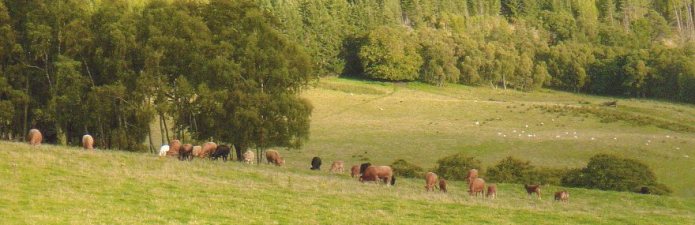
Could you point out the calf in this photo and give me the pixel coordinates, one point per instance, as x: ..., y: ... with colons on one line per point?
x: 491, y: 191
x: 563, y: 196
x: 35, y: 137
x: 355, y: 171
x: 88, y: 142
x: 249, y: 157
x: 337, y: 166
x: 472, y: 174
x: 442, y: 185
x: 530, y: 189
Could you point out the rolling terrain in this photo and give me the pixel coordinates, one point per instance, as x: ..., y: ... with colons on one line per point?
x: 360, y: 121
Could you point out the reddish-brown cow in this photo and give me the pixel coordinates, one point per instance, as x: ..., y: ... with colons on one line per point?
x: 430, y: 180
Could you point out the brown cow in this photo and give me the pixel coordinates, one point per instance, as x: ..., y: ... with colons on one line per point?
x: 88, y: 142
x: 207, y: 150
x: 186, y: 152
x: 476, y: 186
x: 430, y: 180
x: 337, y: 166
x: 273, y: 156
x: 491, y: 191
x: 197, y: 150
x: 378, y: 173
x: 174, y: 147
x: 35, y: 137
x: 472, y: 174
x: 530, y: 189
x: 442, y: 185
x: 355, y: 171
x: 562, y: 196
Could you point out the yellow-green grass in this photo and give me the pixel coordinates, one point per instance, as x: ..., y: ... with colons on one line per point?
x: 360, y: 121
x: 65, y: 185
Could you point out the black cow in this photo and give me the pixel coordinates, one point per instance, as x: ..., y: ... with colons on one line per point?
x: 364, y: 167
x: 221, y: 150
x: 316, y: 163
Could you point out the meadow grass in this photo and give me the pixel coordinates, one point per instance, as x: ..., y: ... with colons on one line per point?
x: 63, y: 185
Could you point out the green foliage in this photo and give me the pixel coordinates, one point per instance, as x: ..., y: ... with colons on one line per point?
x: 390, y: 54
x: 610, y: 172
x: 511, y: 170
x: 403, y: 168
x: 456, y: 167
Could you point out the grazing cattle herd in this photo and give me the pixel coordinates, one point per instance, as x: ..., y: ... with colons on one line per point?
x: 365, y: 171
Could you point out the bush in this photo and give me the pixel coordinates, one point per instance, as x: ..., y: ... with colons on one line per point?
x: 456, y: 167
x: 511, y: 170
x: 405, y: 169
x: 609, y: 172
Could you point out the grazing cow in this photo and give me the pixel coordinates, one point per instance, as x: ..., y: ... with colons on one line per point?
x: 476, y: 186
x: 197, y: 150
x: 316, y: 163
x: 337, y: 166
x: 163, y: 150
x: 273, y: 156
x: 174, y: 147
x: 249, y: 157
x: 208, y: 149
x: 378, y: 173
x: 430, y: 180
x: 442, y: 185
x: 530, y: 189
x: 563, y: 196
x: 35, y: 137
x: 88, y: 142
x: 355, y: 171
x: 221, y: 151
x: 363, y: 167
x: 491, y: 191
x: 472, y: 174
x: 185, y: 152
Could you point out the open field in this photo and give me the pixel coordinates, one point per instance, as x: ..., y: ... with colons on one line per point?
x: 61, y: 185
x: 360, y: 121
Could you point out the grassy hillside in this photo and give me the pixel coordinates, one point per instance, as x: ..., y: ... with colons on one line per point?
x: 59, y: 185
x: 381, y: 122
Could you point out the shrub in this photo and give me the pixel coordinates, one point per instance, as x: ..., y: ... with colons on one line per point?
x: 511, y: 170
x: 456, y: 167
x: 609, y: 172
x: 548, y: 176
x: 405, y: 169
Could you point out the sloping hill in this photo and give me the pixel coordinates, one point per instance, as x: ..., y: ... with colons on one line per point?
x: 382, y: 122
x: 59, y: 185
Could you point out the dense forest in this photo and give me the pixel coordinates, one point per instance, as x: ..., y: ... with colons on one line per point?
x: 232, y: 70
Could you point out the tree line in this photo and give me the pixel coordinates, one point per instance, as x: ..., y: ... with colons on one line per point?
x: 633, y: 48
x: 222, y: 70
x: 231, y: 70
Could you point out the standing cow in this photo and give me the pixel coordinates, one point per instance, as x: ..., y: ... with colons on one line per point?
x: 249, y: 157
x: 273, y: 157
x: 378, y: 173
x: 491, y: 191
x: 35, y: 137
x: 364, y: 167
x: 207, y: 150
x: 174, y: 147
x: 186, y: 152
x: 316, y: 163
x: 530, y: 189
x: 442, y: 185
x: 476, y: 187
x: 88, y: 142
x: 221, y: 151
x: 430, y: 180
